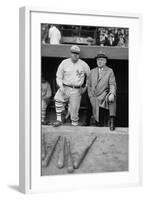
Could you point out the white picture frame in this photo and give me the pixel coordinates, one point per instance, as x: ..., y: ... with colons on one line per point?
x: 29, y: 143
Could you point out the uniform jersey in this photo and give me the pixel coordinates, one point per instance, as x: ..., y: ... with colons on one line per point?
x: 54, y: 35
x: 70, y: 73
x: 46, y: 90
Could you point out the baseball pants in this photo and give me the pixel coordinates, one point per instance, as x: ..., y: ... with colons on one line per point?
x: 43, y: 111
x: 71, y: 95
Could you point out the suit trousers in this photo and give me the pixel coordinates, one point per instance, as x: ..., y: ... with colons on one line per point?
x: 95, y: 108
x: 112, y: 109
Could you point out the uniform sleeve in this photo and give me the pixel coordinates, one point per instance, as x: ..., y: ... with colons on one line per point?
x: 87, y: 70
x: 49, y: 33
x: 59, y: 35
x: 46, y: 91
x: 87, y: 73
x: 60, y: 74
x: 112, y: 84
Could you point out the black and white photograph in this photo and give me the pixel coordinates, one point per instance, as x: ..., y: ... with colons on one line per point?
x: 84, y: 99
x: 79, y: 106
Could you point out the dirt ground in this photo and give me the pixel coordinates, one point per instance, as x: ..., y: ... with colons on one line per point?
x: 109, y: 152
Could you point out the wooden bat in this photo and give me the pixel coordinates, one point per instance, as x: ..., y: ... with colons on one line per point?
x: 48, y: 157
x: 79, y: 160
x: 70, y: 168
x: 43, y: 147
x: 61, y: 157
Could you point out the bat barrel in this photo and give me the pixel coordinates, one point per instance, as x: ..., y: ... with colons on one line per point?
x: 48, y: 157
x: 78, y: 162
x: 70, y: 168
x: 61, y: 158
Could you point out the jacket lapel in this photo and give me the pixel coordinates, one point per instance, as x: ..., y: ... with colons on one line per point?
x: 102, y: 73
x: 95, y: 75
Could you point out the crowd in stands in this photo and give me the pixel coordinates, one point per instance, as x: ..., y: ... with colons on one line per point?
x: 101, y: 36
x: 112, y: 37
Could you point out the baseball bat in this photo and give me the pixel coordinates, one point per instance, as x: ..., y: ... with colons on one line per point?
x: 61, y: 157
x: 48, y: 157
x: 43, y: 147
x: 80, y: 159
x: 70, y: 168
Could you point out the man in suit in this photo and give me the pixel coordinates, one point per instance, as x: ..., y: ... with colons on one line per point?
x: 102, y: 90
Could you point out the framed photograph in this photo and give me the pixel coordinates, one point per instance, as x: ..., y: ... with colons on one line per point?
x: 79, y: 110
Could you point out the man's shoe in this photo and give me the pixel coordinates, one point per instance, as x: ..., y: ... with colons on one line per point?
x: 57, y: 123
x: 80, y: 124
x: 47, y: 122
x: 112, y: 123
x: 43, y: 123
x: 98, y: 124
x: 74, y: 123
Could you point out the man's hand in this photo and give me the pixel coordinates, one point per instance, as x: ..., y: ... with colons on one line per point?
x: 62, y: 89
x: 44, y: 92
x: 111, y: 98
x: 83, y: 90
x: 43, y: 42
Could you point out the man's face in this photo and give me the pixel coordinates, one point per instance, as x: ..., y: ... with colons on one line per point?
x: 74, y: 57
x: 101, y: 62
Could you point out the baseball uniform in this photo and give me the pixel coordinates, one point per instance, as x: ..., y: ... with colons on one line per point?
x: 46, y: 94
x: 54, y: 35
x: 71, y: 76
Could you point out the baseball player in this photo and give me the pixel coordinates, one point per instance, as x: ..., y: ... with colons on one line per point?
x: 46, y: 94
x: 54, y: 35
x: 70, y: 78
x: 102, y: 89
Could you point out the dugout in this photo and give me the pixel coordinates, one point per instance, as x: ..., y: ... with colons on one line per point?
x: 52, y: 55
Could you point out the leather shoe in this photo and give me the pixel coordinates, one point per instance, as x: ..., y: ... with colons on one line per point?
x: 98, y: 124
x: 57, y: 123
x: 47, y: 122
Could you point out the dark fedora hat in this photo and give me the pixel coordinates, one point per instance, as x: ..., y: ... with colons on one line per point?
x: 101, y: 55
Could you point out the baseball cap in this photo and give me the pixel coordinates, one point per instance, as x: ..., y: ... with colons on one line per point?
x: 75, y: 49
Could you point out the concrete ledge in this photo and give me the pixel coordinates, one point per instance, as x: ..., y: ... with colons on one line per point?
x: 84, y: 129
